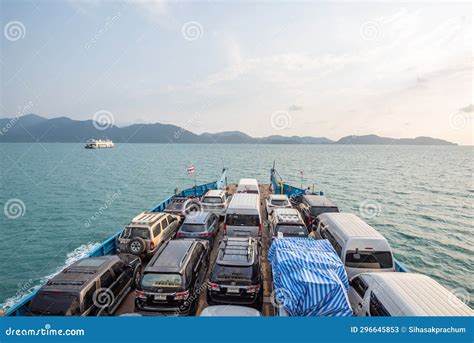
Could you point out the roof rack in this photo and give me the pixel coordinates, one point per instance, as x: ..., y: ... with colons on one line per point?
x: 236, y: 247
x: 65, y: 282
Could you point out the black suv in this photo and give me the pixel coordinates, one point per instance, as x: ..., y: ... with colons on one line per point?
x: 173, y: 279
x: 91, y: 286
x: 235, y: 277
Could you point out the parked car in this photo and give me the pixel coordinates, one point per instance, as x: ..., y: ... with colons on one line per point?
x: 277, y: 201
x: 230, y: 311
x: 243, y: 217
x: 248, y: 186
x: 91, y: 286
x: 181, y: 206
x: 311, y: 206
x: 172, y: 281
x: 147, y: 231
x: 287, y: 222
x: 235, y: 276
x: 215, y: 201
x: 403, y: 294
x: 202, y: 225
x: 360, y: 247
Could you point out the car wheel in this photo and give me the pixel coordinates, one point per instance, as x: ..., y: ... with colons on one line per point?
x: 137, y: 246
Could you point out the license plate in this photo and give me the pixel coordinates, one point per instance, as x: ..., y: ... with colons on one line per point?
x: 242, y: 233
x: 160, y: 297
x: 233, y: 290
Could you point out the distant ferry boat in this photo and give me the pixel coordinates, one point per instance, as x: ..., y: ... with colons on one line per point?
x: 99, y: 143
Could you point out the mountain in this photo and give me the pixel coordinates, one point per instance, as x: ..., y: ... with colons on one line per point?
x: 228, y: 137
x: 374, y: 139
x: 34, y: 128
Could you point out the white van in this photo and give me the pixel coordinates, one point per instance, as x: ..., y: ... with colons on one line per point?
x: 248, y: 186
x: 215, y: 201
x: 243, y: 218
x: 403, y: 294
x: 360, y: 247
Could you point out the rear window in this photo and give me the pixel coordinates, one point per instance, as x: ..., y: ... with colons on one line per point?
x: 279, y: 202
x: 193, y: 228
x: 212, y: 200
x: 291, y: 230
x: 54, y: 304
x: 161, y: 280
x: 369, y: 259
x: 225, y: 273
x: 317, y: 210
x: 242, y: 219
x: 132, y: 232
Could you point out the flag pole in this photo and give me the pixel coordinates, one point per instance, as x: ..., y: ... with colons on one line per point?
x: 195, y: 184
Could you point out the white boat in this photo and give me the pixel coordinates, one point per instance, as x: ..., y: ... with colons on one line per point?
x: 99, y: 143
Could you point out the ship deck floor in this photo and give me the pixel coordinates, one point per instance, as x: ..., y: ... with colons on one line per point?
x: 128, y: 304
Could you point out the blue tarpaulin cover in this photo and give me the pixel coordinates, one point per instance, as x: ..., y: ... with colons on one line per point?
x: 309, y: 278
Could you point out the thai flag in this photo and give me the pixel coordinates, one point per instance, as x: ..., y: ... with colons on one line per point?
x: 191, y: 169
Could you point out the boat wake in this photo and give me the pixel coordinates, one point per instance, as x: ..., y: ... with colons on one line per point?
x: 30, y: 286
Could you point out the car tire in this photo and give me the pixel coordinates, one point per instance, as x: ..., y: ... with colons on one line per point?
x: 136, y: 246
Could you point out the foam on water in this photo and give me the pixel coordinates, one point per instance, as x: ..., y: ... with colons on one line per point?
x: 26, y: 289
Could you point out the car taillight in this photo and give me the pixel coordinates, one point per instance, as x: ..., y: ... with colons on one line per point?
x: 213, y: 286
x: 152, y: 245
x: 181, y: 295
x: 259, y: 229
x: 253, y: 288
x: 140, y: 294
x: 204, y: 234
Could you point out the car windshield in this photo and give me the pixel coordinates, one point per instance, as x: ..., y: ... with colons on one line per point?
x: 132, y: 232
x: 54, y: 304
x: 226, y: 273
x: 242, y: 219
x: 193, y: 227
x: 212, y: 200
x: 291, y: 230
x: 369, y: 259
x: 161, y: 280
x: 279, y: 202
x: 317, y: 210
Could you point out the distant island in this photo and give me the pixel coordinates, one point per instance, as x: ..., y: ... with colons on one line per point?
x: 34, y: 128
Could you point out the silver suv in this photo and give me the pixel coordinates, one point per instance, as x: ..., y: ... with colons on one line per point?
x: 147, y: 231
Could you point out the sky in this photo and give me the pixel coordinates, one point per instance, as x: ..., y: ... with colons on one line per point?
x: 323, y: 69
